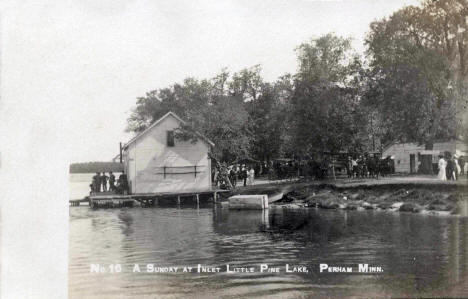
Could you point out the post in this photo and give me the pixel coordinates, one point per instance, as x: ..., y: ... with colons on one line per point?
x: 120, y: 145
x: 215, y: 195
x: 198, y: 199
x: 178, y: 200
x: 333, y: 169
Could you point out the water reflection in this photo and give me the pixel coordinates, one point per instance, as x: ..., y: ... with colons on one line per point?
x: 420, y: 254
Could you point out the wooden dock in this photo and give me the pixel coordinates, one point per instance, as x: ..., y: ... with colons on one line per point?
x: 111, y: 200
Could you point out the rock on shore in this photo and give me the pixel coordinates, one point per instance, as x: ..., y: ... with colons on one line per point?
x: 412, y: 200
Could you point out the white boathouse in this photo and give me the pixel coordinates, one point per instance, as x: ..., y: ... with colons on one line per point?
x: 157, y: 162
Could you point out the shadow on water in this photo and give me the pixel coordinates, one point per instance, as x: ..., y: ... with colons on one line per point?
x: 126, y: 220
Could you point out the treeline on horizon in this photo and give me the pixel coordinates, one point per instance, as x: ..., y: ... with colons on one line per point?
x: 409, y: 86
x: 93, y: 167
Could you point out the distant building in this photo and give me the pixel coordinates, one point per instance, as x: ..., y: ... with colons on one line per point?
x: 155, y: 161
x: 413, y: 158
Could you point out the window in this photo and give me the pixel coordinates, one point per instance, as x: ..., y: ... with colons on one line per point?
x: 170, y: 138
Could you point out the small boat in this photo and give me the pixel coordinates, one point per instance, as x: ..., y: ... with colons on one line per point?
x: 275, y: 197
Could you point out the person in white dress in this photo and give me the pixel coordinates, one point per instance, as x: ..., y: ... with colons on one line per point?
x: 251, y: 174
x: 457, y: 168
x: 442, y: 164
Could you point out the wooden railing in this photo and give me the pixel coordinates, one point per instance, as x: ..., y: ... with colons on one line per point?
x: 190, y: 169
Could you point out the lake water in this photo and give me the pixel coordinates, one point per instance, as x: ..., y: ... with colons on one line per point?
x: 419, y: 254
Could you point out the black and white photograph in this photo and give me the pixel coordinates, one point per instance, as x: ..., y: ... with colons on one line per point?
x: 234, y: 149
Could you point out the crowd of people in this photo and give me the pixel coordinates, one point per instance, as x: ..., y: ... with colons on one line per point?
x: 229, y: 176
x: 368, y: 167
x: 283, y: 169
x: 451, y: 167
x: 99, y: 183
x: 362, y: 166
x: 359, y: 166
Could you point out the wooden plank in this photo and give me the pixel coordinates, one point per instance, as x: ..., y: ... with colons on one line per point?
x: 141, y: 196
x: 180, y: 166
x: 189, y: 172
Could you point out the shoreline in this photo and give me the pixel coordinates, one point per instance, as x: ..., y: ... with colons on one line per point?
x: 415, y: 194
x: 423, y: 195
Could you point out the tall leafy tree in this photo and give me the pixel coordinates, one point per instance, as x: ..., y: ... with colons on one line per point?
x: 325, y: 103
x: 207, y: 108
x: 417, y: 76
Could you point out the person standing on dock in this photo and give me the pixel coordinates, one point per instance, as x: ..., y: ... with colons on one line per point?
x: 96, y: 183
x: 111, y: 181
x: 104, y: 178
x: 122, y: 184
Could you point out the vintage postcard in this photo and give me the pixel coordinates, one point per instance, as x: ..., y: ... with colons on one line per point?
x: 235, y: 149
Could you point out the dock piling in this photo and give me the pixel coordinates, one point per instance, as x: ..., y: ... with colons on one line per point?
x: 145, y: 200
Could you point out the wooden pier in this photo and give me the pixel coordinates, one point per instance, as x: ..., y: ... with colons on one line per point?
x: 110, y: 200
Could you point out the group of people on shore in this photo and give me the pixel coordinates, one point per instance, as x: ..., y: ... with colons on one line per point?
x: 359, y: 166
x: 99, y: 183
x: 244, y: 173
x: 280, y: 170
x: 234, y: 173
x: 368, y: 167
x: 451, y: 167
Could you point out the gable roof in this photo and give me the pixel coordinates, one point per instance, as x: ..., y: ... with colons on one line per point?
x: 395, y: 141
x: 158, y: 122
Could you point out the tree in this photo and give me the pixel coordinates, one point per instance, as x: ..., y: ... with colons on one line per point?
x: 243, y: 115
x: 267, y: 120
x: 207, y: 109
x: 417, y: 73
x: 325, y: 103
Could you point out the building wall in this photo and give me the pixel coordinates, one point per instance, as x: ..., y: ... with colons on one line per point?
x: 402, y: 151
x: 146, y: 157
x: 461, y: 149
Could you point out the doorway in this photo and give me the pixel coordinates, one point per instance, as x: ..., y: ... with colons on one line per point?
x: 412, y: 163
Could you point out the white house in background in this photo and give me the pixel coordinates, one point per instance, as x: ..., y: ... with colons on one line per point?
x: 413, y: 158
x: 155, y: 161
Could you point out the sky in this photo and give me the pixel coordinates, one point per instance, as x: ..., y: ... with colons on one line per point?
x: 78, y: 66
